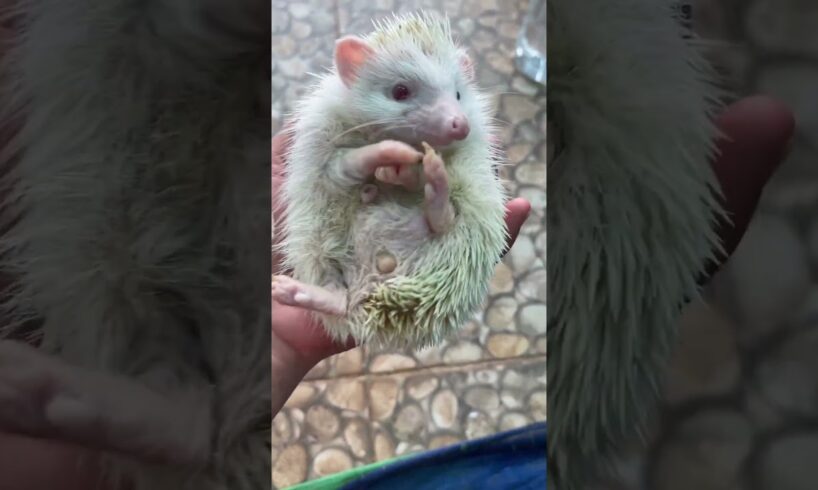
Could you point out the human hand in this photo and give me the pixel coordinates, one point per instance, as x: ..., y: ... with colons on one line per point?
x: 299, y: 343
x: 758, y: 131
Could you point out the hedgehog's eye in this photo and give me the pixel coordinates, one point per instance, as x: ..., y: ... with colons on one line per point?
x: 401, y: 92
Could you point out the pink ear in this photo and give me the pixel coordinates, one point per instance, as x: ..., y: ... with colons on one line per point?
x: 350, y: 55
x: 467, y: 65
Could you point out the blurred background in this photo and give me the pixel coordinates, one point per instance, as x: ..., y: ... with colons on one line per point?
x: 741, y: 402
x: 368, y: 405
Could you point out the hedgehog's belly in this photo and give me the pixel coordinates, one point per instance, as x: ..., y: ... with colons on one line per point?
x: 382, y: 230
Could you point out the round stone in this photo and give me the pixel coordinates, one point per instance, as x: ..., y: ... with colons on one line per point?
x: 478, y: 424
x: 356, y: 436
x: 419, y: 387
x: 500, y: 315
x: 465, y: 26
x: 293, y: 68
x: 533, y: 286
x: 786, y: 378
x: 503, y: 279
x: 518, y: 152
x: 541, y: 344
x: 300, y: 30
x: 482, y: 398
x: 444, y: 409
x: 505, y: 345
x: 384, y: 446
x: 533, y: 318
x: 303, y: 394
x: 706, y: 453
x: 282, y: 428
x: 791, y: 463
x: 299, y: 10
x: 443, y: 440
x: 322, y: 422
x: 513, y: 420
x: 346, y: 395
x: 513, y: 379
x: 349, y: 362
x: 283, y: 47
x: 531, y: 173
x: 516, y: 108
x: 291, y: 467
x: 408, y: 422
x: 537, y: 404
x: 331, y: 461
x: 462, y: 352
x: 383, y: 396
x: 387, y: 363
x: 512, y: 398
x: 487, y: 376
x: 706, y: 360
x: 521, y: 256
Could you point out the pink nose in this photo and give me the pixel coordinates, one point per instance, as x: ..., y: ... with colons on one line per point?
x: 458, y: 128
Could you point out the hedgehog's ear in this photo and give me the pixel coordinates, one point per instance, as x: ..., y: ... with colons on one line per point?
x: 467, y: 65
x: 351, y: 53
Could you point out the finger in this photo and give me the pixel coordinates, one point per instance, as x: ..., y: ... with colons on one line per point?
x: 517, y: 211
x: 298, y: 328
x: 757, y: 133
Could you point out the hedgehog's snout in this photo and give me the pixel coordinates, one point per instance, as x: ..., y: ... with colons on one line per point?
x: 458, y: 127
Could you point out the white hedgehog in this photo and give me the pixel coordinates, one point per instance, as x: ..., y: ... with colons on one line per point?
x: 385, y: 244
x: 140, y: 177
x: 632, y: 209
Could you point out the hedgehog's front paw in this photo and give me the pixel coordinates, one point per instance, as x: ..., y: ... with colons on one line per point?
x: 406, y: 176
x: 290, y: 292
x: 439, y: 210
x: 361, y: 163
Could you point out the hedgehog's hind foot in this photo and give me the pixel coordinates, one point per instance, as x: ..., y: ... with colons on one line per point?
x: 291, y: 292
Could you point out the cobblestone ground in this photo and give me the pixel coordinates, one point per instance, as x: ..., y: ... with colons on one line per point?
x: 368, y: 405
x: 741, y: 406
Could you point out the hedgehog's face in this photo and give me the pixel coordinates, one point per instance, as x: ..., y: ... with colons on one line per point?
x: 407, y: 93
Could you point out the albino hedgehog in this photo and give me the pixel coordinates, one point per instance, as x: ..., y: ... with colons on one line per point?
x: 385, y: 243
x: 138, y: 236
x: 632, y: 207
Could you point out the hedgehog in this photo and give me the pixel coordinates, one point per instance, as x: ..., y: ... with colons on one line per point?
x: 388, y: 240
x: 135, y: 219
x: 632, y: 211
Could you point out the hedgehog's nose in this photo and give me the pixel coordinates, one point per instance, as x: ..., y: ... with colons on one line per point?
x: 458, y: 128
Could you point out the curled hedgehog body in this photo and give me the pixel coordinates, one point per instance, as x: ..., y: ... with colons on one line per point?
x: 331, y: 236
x: 632, y: 207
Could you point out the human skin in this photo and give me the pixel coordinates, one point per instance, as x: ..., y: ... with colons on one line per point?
x: 757, y: 130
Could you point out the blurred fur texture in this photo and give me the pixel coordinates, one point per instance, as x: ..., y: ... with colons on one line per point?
x: 632, y: 205
x: 137, y: 197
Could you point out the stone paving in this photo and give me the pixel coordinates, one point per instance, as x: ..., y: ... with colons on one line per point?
x: 367, y: 405
x: 741, y: 403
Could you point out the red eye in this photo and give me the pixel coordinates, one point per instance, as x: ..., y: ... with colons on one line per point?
x: 401, y: 92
